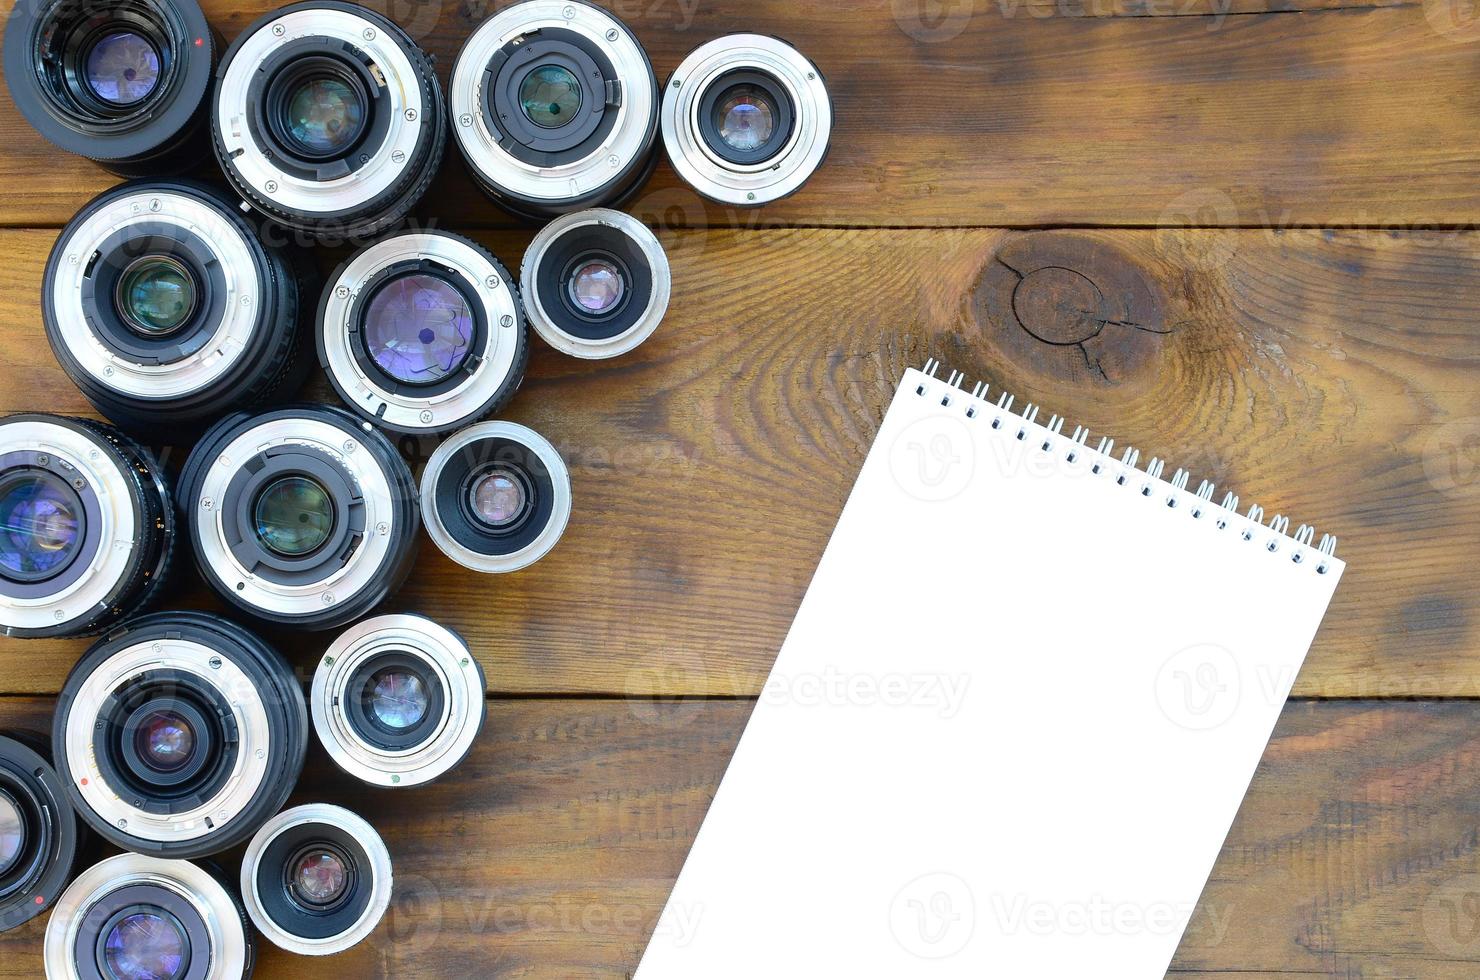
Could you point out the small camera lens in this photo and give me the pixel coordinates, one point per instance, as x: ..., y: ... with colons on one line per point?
x: 136, y: 917
x: 70, y: 489
x: 751, y: 121
x: 179, y: 734
x: 39, y: 833
x: 122, y: 82
x: 423, y: 333
x: 329, y: 119
x: 301, y: 516
x: 596, y: 283
x: 556, y: 108
x: 165, y: 308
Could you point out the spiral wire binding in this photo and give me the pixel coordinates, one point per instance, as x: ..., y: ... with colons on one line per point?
x: 1300, y: 543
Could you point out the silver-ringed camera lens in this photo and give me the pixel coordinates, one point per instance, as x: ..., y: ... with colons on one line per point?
x: 423, y: 333
x: 86, y: 526
x: 555, y: 107
x: 303, y: 516
x: 179, y: 734
x: 38, y: 831
x: 746, y: 119
x: 135, y: 917
x: 596, y: 283
x: 316, y: 879
x: 398, y: 700
x: 496, y: 497
x: 329, y: 119
x: 164, y: 307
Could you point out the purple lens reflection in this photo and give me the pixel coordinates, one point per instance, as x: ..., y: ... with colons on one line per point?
x: 39, y: 527
x: 419, y: 329
x: 165, y: 740
x: 122, y: 68
x: 143, y: 946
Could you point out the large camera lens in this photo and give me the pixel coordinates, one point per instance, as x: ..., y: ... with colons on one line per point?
x: 746, y: 119
x: 38, y: 831
x: 398, y: 700
x: 316, y: 879
x: 555, y: 107
x: 423, y: 333
x: 135, y: 917
x: 329, y: 119
x: 86, y: 529
x: 302, y: 516
x: 179, y: 734
x: 167, y: 311
x: 123, y: 82
x: 596, y: 283
x: 496, y: 497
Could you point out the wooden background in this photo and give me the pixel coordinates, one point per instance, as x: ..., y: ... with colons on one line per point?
x: 1237, y: 233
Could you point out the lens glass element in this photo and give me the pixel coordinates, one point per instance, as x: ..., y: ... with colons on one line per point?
x: 325, y: 115
x: 550, y: 96
x: 398, y: 699
x: 293, y: 516
x: 597, y: 287
x: 156, y: 295
x: 122, y: 68
x: 144, y: 946
x: 40, y: 528
x: 746, y: 118
x: 165, y: 741
x: 12, y: 834
x: 319, y: 876
x: 498, y: 498
x: 418, y: 328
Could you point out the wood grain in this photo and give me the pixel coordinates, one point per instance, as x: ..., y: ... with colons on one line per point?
x: 1266, y: 113
x: 1331, y: 376
x: 550, y: 852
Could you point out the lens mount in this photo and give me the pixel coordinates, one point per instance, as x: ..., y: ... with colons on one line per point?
x: 410, y: 369
x: 238, y: 344
x: 594, y: 325
x: 407, y: 670
x: 524, y: 516
x: 366, y: 550
x: 555, y: 107
x: 37, y: 861
x: 183, y: 913
x: 778, y: 103
x: 375, y: 129
x: 88, y: 528
x: 179, y: 734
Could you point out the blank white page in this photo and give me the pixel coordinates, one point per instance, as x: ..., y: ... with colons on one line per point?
x: 1011, y: 724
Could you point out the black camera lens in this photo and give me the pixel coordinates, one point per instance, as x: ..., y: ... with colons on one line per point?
x: 167, y: 311
x: 329, y: 119
x: 423, y: 333
x: 179, y: 734
x: 555, y: 108
x: 303, y: 516
x: 595, y: 283
x: 39, y: 834
x: 123, y: 82
x: 496, y: 497
x: 316, y: 879
x: 86, y: 526
x: 136, y: 917
x: 746, y: 119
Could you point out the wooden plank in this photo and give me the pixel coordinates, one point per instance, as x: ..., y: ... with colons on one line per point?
x: 550, y: 852
x: 1036, y: 112
x: 1329, y: 376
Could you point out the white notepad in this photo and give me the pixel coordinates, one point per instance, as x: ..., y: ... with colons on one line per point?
x: 1012, y: 722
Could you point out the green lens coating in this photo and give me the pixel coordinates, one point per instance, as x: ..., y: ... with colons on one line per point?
x: 550, y: 96
x: 293, y: 516
x: 324, y: 115
x: 156, y: 295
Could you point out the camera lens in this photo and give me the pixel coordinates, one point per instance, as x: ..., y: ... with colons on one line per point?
x: 556, y: 108
x: 165, y: 308
x: 316, y: 879
x: 123, y: 82
x: 496, y: 497
x: 423, y: 333
x: 398, y: 700
x: 596, y: 283
x: 179, y: 734
x: 302, y: 516
x: 329, y: 119
x: 39, y: 834
x: 86, y: 528
x: 746, y: 120
x: 136, y: 917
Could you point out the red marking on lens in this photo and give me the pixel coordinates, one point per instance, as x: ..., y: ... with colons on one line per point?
x: 40, y: 899
x: 200, y: 42
x: 84, y: 781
